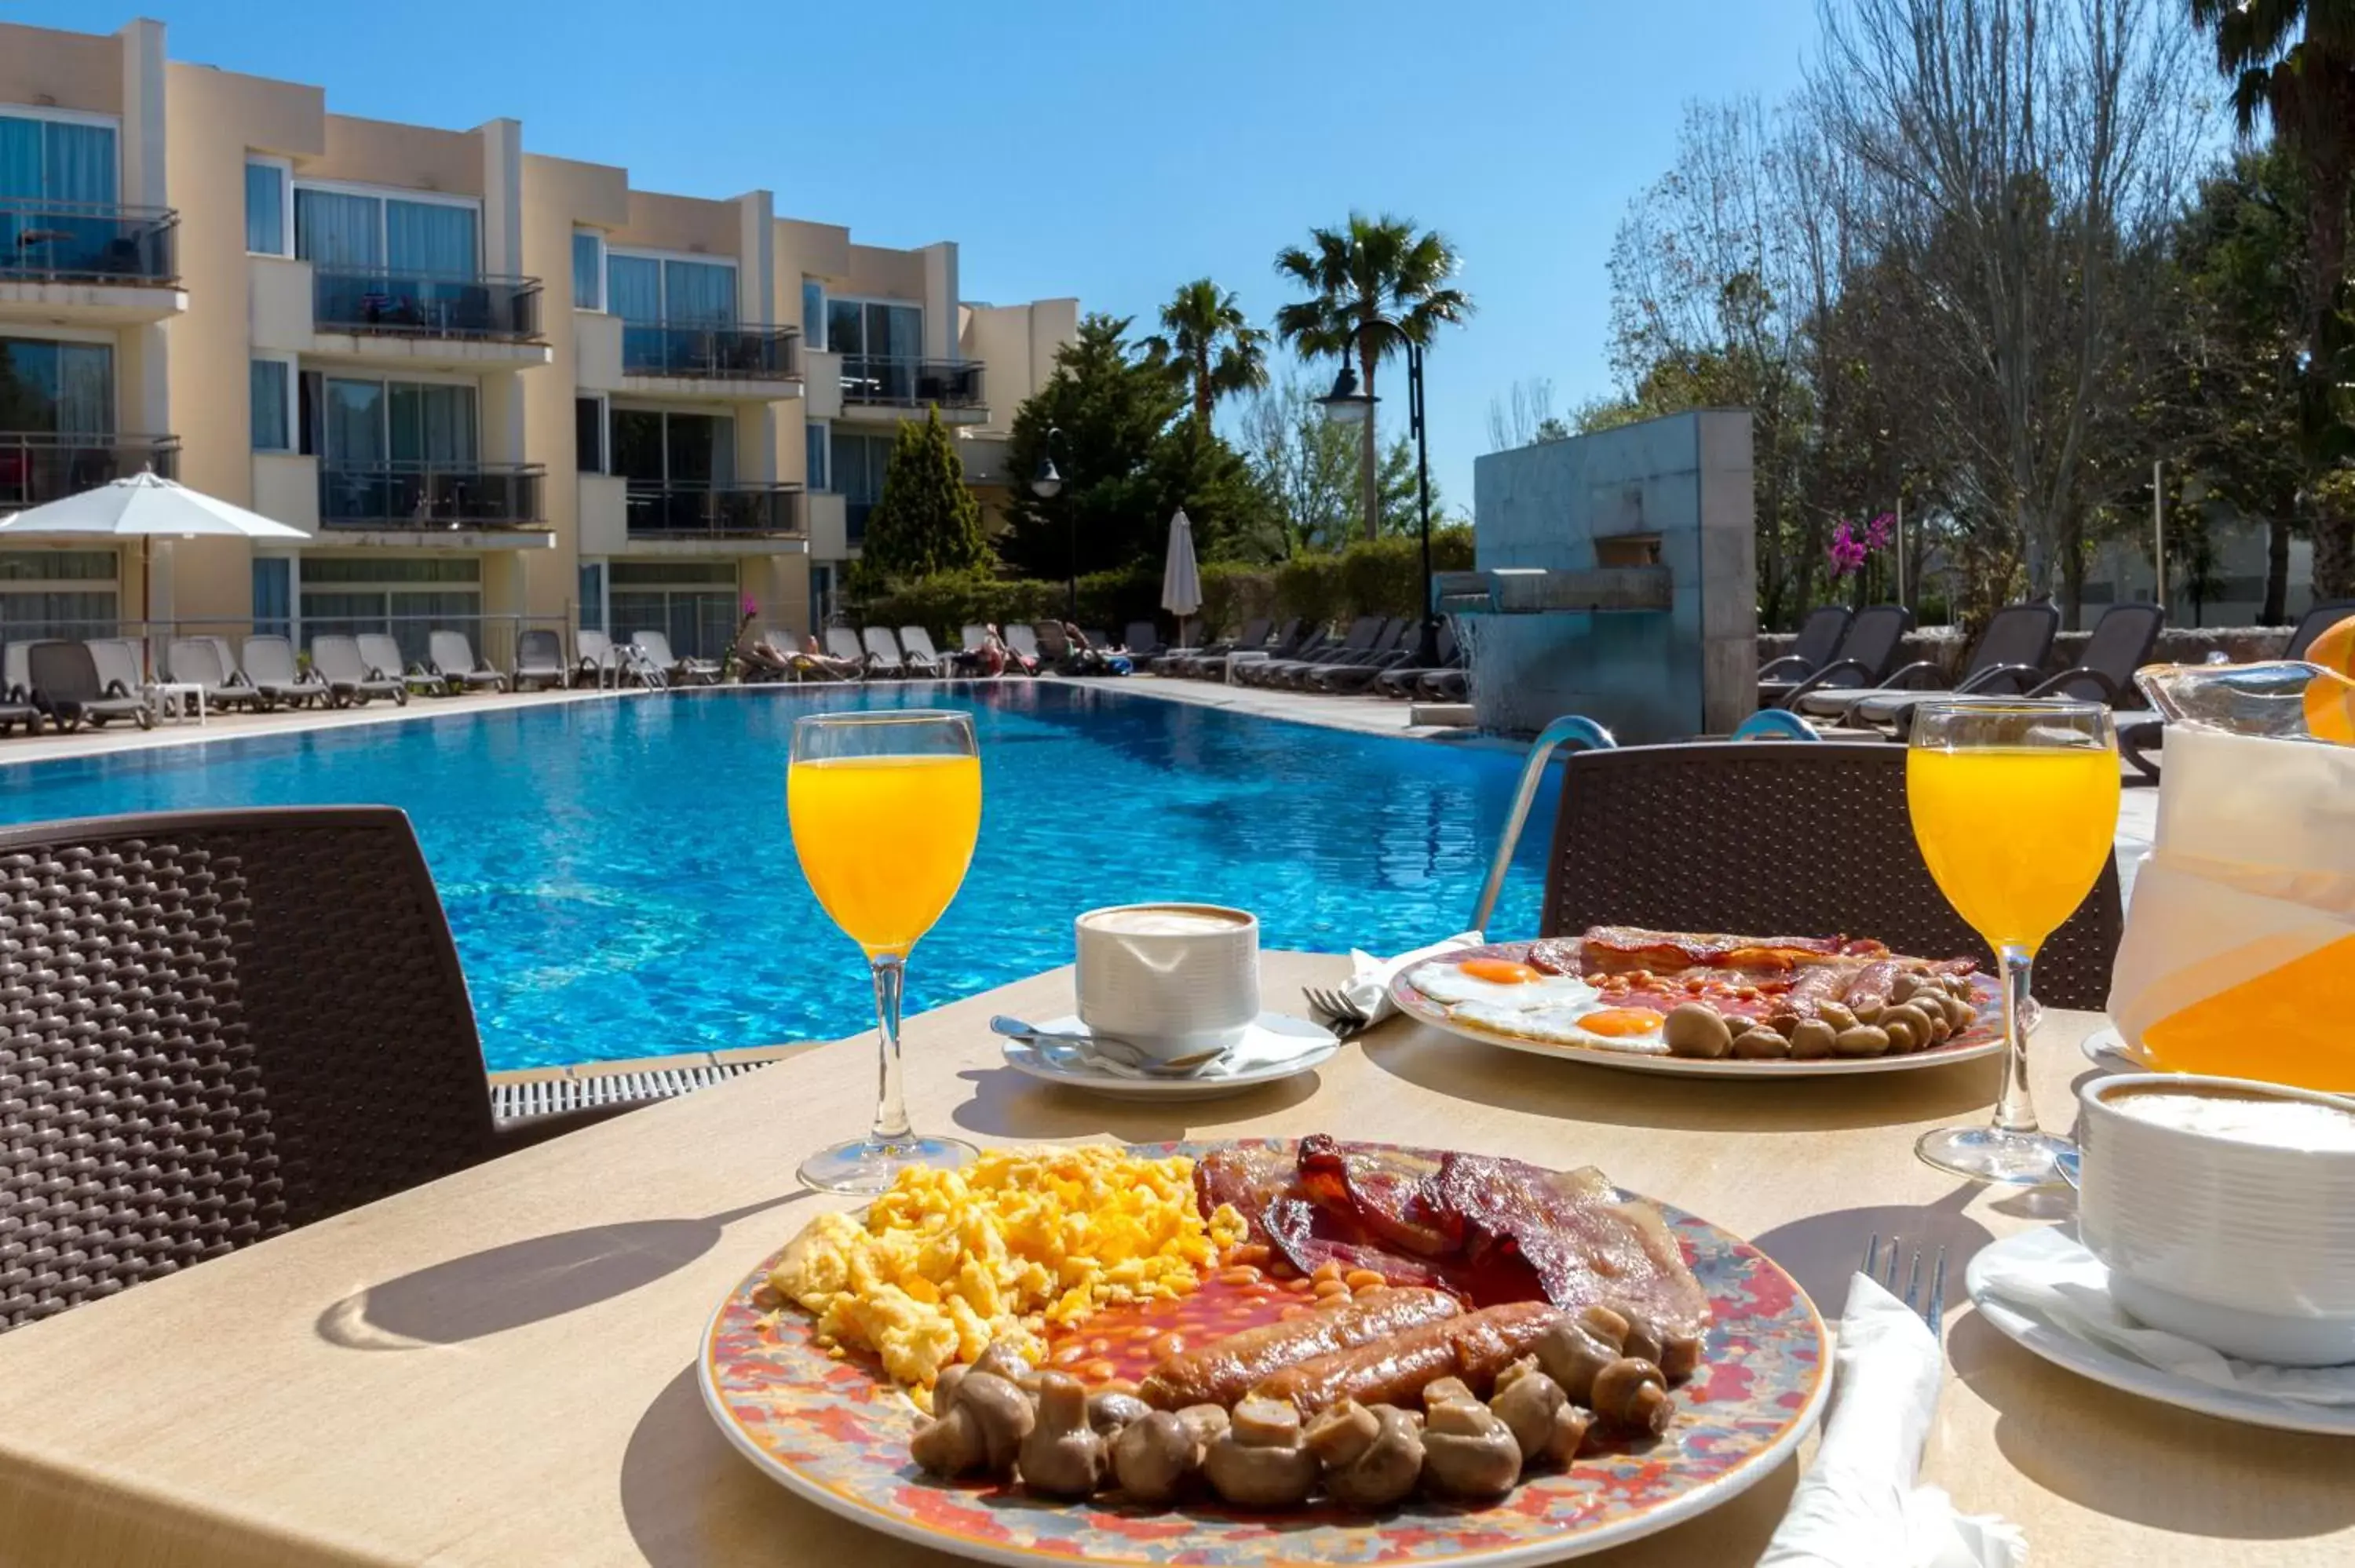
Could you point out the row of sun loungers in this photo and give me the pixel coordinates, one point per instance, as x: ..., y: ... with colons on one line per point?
x: 1374, y: 655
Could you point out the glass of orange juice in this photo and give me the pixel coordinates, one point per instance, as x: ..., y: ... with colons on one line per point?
x: 2015, y: 804
x: 885, y: 808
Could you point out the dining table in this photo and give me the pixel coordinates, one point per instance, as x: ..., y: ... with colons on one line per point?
x: 501, y: 1367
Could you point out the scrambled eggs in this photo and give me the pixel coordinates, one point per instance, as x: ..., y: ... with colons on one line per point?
x: 946, y: 1261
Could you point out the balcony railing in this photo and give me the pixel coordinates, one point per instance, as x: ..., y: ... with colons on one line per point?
x: 422, y: 304
x: 709, y: 353
x: 716, y: 512
x: 892, y: 382
x: 35, y: 466
x: 428, y: 497
x: 88, y: 242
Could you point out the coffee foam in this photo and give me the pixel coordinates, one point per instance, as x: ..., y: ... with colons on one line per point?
x: 1174, y: 921
x: 2274, y: 1121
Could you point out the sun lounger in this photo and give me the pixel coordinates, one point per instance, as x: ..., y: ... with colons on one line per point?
x: 599, y: 661
x: 1364, y: 632
x: 1023, y: 642
x: 197, y: 661
x: 655, y: 646
x: 17, y: 673
x: 1192, y: 662
x: 1393, y: 647
x: 121, y: 663
x: 1818, y: 644
x: 1143, y: 641
x: 540, y: 659
x: 842, y: 646
x: 66, y: 689
x: 882, y: 650
x: 383, y: 658
x: 271, y: 666
x: 917, y: 651
x: 2143, y: 733
x: 350, y: 680
x: 450, y: 659
x: 1867, y: 650
x: 2006, y: 661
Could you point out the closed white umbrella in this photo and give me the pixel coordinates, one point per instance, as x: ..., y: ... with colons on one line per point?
x: 144, y: 505
x: 1181, y: 579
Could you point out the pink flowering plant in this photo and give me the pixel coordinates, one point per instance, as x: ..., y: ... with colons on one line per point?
x: 1850, y: 547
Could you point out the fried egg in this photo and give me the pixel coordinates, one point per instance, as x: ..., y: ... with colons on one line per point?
x: 1632, y: 1029
x: 1499, y: 983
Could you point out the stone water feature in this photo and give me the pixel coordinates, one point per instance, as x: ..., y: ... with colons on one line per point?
x: 1615, y: 577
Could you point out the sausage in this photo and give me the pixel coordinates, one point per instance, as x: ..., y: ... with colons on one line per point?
x: 1475, y: 1347
x: 1873, y: 984
x: 1223, y: 1371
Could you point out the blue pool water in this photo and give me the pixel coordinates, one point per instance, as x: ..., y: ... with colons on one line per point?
x: 622, y: 883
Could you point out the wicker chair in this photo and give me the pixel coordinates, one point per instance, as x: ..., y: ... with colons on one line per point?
x: 1780, y: 839
x: 220, y: 1025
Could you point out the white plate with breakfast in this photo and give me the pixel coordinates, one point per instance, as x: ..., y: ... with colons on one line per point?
x: 1230, y: 1352
x: 1712, y: 1005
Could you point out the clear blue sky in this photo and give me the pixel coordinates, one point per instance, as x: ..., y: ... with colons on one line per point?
x: 1102, y: 148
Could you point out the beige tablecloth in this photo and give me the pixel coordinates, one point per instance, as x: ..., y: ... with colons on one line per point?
x: 498, y: 1369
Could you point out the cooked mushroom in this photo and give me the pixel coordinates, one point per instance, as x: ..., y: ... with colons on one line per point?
x: 945, y: 1387
x: 1467, y: 1452
x: 983, y: 1428
x: 1155, y: 1456
x: 1642, y: 1341
x: 1606, y: 1323
x: 1676, y: 1354
x: 1633, y: 1395
x: 1371, y: 1458
x: 1544, y: 1423
x: 1000, y: 1357
x: 1062, y: 1458
x: 1110, y: 1410
x: 1204, y: 1422
x: 1441, y: 1389
x: 1259, y: 1462
x: 1571, y: 1353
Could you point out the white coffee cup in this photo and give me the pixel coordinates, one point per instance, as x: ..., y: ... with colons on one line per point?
x: 1170, y: 978
x: 2224, y: 1210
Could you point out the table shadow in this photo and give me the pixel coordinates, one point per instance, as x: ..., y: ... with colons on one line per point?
x: 1008, y: 1104
x: 2100, y: 1448
x: 521, y: 1282
x: 1823, y: 1250
x: 1514, y: 1080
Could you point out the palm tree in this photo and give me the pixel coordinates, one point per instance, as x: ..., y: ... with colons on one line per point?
x: 1212, y: 344
x: 1374, y: 286
x: 2293, y: 61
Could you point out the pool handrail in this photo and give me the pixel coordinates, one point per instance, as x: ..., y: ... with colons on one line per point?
x: 1573, y: 730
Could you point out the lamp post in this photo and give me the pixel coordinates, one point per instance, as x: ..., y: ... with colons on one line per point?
x: 1345, y: 405
x: 1046, y: 484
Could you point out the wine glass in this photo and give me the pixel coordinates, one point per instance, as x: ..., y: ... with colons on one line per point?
x: 2015, y: 804
x: 885, y: 807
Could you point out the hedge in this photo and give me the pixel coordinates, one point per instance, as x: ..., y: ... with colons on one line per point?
x: 1380, y: 577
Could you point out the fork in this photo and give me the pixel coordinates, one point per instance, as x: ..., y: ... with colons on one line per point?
x: 1334, y: 1010
x: 1931, y: 1307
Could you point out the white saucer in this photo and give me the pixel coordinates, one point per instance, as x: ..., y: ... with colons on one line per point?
x: 1276, y: 1046
x: 2116, y: 1369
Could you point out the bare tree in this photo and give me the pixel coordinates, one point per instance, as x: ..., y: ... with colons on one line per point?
x: 2017, y: 156
x: 1525, y: 417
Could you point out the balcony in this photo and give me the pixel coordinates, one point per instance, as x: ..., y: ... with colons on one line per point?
x: 698, y: 512
x: 424, y: 498
x: 392, y: 304
x: 37, y: 467
x: 880, y: 381
x: 88, y: 263
x: 709, y: 353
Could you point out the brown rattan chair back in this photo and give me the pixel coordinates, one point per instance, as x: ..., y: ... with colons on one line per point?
x: 1787, y: 838
x: 219, y: 1025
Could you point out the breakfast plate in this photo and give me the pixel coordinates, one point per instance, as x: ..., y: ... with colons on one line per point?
x: 1275, y: 1047
x: 2114, y: 1369
x: 831, y: 1428
x: 1981, y: 1036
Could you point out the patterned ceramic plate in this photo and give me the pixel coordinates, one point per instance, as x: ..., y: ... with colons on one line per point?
x: 837, y: 1433
x: 1985, y: 1038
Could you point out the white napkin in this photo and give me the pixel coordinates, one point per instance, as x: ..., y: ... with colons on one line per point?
x: 2049, y: 1275
x: 1368, y: 985
x: 1859, y: 1507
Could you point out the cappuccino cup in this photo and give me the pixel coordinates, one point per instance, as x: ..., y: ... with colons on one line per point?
x: 1171, y: 980
x: 2224, y: 1210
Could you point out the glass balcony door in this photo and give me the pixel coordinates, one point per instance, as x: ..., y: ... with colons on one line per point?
x: 670, y: 309
x: 880, y: 344
x: 58, y: 180
x: 379, y: 440
x: 383, y: 261
x: 672, y: 461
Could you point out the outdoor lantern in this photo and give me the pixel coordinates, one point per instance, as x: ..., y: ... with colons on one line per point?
x: 1046, y: 483
x: 1345, y: 405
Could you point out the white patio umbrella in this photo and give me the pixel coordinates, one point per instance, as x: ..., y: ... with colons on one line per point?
x: 144, y: 505
x: 1181, y: 579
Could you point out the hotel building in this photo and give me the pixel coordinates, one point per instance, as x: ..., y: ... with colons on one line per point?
x: 491, y: 387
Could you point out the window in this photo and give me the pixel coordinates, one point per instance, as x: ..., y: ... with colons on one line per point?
x: 407, y: 597
x: 57, y: 593
x: 813, y: 312
x: 814, y: 478
x: 650, y: 290
x: 692, y: 602
x: 56, y: 388
x: 343, y: 231
x: 592, y: 596
x: 588, y: 270
x: 61, y: 158
x: 273, y: 596
x: 875, y: 328
x: 821, y: 593
x: 668, y: 450
x: 589, y: 434
x: 857, y: 471
x: 272, y: 403
x: 265, y: 206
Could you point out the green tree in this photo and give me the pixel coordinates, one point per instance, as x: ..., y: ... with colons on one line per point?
x: 1210, y: 342
x: 2293, y: 62
x: 1128, y: 454
x: 1375, y: 285
x: 926, y: 520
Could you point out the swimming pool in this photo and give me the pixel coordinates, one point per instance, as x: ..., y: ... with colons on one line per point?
x: 622, y: 883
